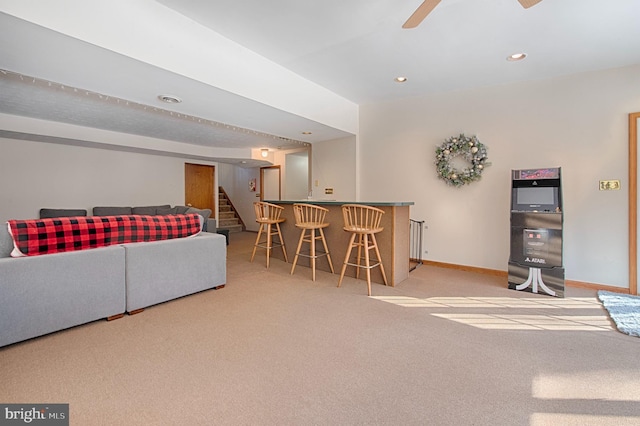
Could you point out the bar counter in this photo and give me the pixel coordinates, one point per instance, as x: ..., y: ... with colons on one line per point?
x: 393, y: 241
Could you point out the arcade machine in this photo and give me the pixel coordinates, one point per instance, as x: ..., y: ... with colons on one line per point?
x: 535, y: 260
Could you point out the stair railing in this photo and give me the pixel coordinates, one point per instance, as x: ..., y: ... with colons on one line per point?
x: 415, y: 242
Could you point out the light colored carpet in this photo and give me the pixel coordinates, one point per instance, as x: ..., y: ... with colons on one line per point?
x: 444, y: 347
x: 624, y: 310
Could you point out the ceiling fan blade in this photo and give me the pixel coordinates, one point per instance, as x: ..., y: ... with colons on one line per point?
x: 528, y: 3
x: 421, y: 12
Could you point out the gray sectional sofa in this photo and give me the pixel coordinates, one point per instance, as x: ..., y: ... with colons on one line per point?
x: 208, y: 226
x: 47, y: 293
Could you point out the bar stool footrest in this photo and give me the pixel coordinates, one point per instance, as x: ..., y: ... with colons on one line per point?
x: 308, y: 254
x: 362, y: 266
x: 263, y: 244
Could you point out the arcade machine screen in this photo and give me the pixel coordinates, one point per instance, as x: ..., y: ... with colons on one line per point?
x: 535, y: 198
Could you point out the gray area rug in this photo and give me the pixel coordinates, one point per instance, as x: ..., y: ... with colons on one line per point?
x: 624, y: 310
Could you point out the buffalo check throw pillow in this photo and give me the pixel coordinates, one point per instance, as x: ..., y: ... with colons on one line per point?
x: 45, y: 236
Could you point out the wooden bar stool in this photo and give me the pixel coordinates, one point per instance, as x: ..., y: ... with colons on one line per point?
x: 268, y: 216
x: 363, y: 222
x: 311, y: 218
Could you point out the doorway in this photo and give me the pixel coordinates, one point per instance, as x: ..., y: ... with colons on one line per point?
x: 270, y: 183
x: 199, y: 187
x: 297, y: 176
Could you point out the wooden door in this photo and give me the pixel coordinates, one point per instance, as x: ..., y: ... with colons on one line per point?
x: 199, y: 186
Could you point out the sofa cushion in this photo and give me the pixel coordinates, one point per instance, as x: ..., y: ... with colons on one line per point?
x: 205, y: 213
x: 111, y: 211
x: 149, y: 210
x: 163, y: 211
x: 181, y: 209
x: 43, y: 236
x: 46, y: 213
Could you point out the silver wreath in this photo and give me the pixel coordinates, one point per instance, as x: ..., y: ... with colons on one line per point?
x: 469, y: 148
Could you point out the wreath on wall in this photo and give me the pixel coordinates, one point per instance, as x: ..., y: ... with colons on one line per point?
x: 467, y: 148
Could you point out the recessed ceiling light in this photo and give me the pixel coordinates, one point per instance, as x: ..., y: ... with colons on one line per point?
x: 306, y: 133
x: 400, y: 79
x: 516, y: 57
x: 170, y: 99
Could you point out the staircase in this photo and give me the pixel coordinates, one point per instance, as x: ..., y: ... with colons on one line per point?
x: 228, y: 217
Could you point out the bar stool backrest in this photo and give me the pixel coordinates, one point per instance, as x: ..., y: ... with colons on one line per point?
x: 362, y: 219
x: 267, y: 212
x: 309, y: 214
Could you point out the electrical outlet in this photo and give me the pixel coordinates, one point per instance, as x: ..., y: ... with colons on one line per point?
x: 328, y: 191
x: 608, y: 185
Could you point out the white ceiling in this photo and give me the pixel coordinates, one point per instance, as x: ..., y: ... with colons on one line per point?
x: 357, y: 47
x: 354, y: 48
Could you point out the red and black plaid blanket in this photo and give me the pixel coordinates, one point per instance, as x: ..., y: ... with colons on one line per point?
x: 42, y: 236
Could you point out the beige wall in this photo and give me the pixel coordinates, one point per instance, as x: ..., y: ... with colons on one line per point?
x: 37, y: 174
x: 578, y: 123
x: 334, y: 166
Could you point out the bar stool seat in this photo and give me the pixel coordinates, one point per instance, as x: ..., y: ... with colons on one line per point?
x: 363, y: 222
x: 268, y: 216
x: 311, y: 218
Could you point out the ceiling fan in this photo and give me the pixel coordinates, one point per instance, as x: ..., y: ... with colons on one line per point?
x: 428, y: 5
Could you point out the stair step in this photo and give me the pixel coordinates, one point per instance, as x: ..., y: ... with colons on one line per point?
x: 228, y: 222
x: 232, y: 228
x: 227, y: 217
